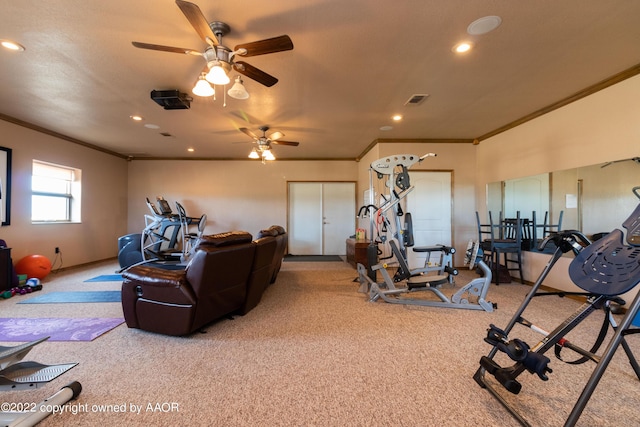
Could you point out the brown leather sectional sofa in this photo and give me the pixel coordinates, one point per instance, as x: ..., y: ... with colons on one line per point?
x: 227, y: 275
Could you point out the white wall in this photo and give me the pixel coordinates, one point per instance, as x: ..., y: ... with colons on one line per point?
x: 235, y: 195
x: 602, y: 127
x: 104, y: 201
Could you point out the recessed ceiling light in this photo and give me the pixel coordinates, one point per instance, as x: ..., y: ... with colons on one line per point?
x: 463, y: 47
x: 385, y: 128
x: 484, y: 25
x: 11, y: 45
x: 397, y: 117
x: 191, y: 150
x: 136, y: 118
x: 151, y: 126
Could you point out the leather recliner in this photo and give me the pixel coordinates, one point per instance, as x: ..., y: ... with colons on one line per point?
x: 226, y: 275
x: 281, y: 237
x: 260, y: 272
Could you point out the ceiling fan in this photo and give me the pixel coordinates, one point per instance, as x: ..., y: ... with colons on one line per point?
x: 635, y: 159
x: 219, y: 58
x: 263, y: 148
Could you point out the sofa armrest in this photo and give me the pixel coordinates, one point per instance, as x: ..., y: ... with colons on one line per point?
x: 158, y: 284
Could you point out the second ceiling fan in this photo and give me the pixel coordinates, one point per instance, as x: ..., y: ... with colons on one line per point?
x: 219, y: 58
x: 263, y: 147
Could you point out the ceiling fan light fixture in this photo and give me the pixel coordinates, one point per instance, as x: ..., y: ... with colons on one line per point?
x: 238, y: 91
x: 217, y: 75
x: 203, y: 88
x: 268, y: 155
x: 254, y: 154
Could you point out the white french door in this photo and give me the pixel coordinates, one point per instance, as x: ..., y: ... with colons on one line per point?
x: 322, y: 215
x: 430, y: 206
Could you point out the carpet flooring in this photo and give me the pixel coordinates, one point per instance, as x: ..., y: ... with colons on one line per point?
x: 313, y: 258
x: 316, y: 352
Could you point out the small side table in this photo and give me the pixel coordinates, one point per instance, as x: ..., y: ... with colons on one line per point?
x: 357, y: 252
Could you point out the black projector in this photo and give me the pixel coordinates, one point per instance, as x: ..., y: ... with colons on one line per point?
x: 171, y: 99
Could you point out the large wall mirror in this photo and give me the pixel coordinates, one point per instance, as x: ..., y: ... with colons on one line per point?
x: 593, y: 199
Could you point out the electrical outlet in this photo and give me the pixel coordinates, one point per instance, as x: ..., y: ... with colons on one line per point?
x: 57, y: 250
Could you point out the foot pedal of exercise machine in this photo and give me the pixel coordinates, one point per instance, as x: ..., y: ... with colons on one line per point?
x: 11, y: 355
x: 503, y: 375
x: 27, y: 375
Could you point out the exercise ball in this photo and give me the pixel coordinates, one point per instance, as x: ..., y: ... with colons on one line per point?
x: 34, y: 266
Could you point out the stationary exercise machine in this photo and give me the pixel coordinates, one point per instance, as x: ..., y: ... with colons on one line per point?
x: 395, y: 230
x: 167, y: 236
x: 605, y: 270
x: 18, y: 375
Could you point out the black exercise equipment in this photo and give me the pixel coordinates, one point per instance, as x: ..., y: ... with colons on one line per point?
x: 129, y: 250
x: 167, y: 239
x: 604, y: 269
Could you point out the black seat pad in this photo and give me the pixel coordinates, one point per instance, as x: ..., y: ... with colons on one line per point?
x: 607, y: 266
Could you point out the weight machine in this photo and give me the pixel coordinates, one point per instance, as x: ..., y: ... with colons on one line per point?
x: 605, y: 270
x: 389, y: 216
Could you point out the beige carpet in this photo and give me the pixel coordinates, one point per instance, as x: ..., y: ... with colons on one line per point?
x: 315, y: 352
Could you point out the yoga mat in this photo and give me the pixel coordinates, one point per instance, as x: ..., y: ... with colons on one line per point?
x: 74, y: 296
x: 58, y: 329
x: 106, y: 278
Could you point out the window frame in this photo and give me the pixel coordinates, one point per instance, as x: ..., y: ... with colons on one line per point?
x: 71, y: 194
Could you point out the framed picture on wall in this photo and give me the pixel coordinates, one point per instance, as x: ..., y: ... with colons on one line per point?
x: 5, y: 185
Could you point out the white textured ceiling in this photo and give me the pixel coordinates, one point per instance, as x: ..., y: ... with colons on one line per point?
x: 355, y: 63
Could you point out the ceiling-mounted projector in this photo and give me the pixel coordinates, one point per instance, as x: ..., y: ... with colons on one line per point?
x: 171, y: 99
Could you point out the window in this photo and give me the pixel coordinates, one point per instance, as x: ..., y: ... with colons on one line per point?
x: 55, y: 193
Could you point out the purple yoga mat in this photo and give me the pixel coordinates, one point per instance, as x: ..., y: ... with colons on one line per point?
x: 59, y: 329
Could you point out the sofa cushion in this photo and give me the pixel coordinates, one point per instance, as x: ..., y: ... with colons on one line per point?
x: 268, y: 232
x: 260, y: 272
x: 225, y: 239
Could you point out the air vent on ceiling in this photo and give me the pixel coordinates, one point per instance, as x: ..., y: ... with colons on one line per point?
x: 165, y: 134
x: 416, y: 99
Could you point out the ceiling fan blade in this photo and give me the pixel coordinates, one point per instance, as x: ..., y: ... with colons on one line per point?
x: 292, y: 143
x: 166, y: 48
x: 198, y: 21
x: 249, y: 132
x: 276, y: 135
x: 255, y: 73
x: 262, y: 47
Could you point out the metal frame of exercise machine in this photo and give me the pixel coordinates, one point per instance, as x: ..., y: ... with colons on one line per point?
x: 604, y: 269
x: 160, y: 237
x: 18, y: 375
x: 395, y: 169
